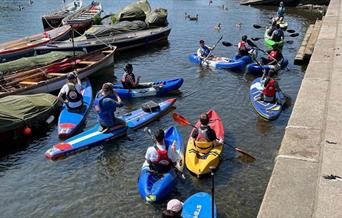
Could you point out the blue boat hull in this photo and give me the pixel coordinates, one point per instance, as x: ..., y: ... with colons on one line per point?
x: 155, y: 187
x: 84, y: 140
x: 268, y: 111
x: 223, y: 63
x: 157, y: 88
x: 198, y: 205
x: 70, y: 121
x: 258, y: 70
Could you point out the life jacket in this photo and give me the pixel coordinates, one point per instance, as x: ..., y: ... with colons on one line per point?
x: 273, y: 55
x: 103, y: 115
x: 269, y: 90
x: 125, y: 82
x: 163, y: 158
x: 202, y: 142
x: 280, y: 12
x: 73, y: 95
x: 204, y: 51
x: 243, y: 48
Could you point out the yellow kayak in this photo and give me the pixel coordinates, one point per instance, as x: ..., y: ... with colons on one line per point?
x: 200, y: 157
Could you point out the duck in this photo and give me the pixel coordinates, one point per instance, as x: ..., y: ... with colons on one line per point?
x: 210, y: 1
x: 218, y: 27
x: 238, y: 25
x: 193, y: 18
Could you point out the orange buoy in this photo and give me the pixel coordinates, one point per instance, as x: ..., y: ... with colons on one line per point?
x: 27, y: 131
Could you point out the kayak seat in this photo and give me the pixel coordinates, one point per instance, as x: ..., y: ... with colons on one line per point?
x: 150, y: 107
x: 27, y: 83
x: 56, y: 74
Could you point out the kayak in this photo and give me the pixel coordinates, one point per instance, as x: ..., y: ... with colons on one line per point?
x: 155, y: 187
x: 70, y: 120
x: 270, y: 43
x: 199, y: 206
x: 258, y: 70
x: 268, y: 111
x: 197, y: 162
x: 222, y: 62
x: 283, y: 25
x: 157, y: 88
x: 84, y: 140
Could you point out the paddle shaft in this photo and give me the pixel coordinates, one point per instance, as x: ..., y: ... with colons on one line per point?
x: 212, y: 193
x: 205, y: 59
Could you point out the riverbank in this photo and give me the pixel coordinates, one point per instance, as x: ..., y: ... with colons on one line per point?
x: 311, y: 146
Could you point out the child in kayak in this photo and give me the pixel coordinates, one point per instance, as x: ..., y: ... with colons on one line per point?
x: 281, y: 10
x: 128, y: 78
x: 204, y: 51
x: 278, y: 34
x: 274, y: 57
x: 204, y: 137
x: 271, y: 87
x: 243, y: 47
x: 158, y: 156
x: 71, y: 91
x: 106, y: 102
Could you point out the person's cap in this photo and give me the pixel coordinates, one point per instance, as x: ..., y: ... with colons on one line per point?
x: 107, y: 86
x: 174, y: 205
x: 71, y: 76
x: 201, y: 41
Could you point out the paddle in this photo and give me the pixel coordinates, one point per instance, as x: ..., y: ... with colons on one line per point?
x: 205, y: 59
x: 227, y: 44
x: 184, y: 122
x: 212, y: 168
x: 179, y: 165
x: 256, y: 26
x: 291, y: 35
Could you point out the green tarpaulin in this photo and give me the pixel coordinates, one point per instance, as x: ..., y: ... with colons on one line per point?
x: 20, y: 110
x: 121, y: 27
x: 135, y: 11
x: 157, y: 18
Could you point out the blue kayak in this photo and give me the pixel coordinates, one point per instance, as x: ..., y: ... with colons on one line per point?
x: 157, y: 88
x: 155, y: 187
x: 222, y: 62
x: 268, y: 111
x: 70, y: 120
x: 84, y: 140
x: 258, y: 70
x: 199, y: 206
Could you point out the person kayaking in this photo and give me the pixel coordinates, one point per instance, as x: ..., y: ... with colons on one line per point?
x: 128, y: 78
x: 281, y: 10
x: 204, y: 51
x: 271, y: 86
x: 173, y: 209
x: 274, y: 56
x: 70, y: 94
x: 277, y: 34
x: 243, y: 47
x: 204, y: 137
x: 270, y: 29
x: 106, y: 102
x: 159, y: 158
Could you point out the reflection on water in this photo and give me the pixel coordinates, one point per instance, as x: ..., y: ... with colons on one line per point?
x: 102, y: 181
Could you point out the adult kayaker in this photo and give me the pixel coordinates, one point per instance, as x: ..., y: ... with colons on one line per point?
x: 203, y: 50
x: 270, y: 29
x: 277, y: 34
x: 281, y: 10
x: 274, y: 57
x: 271, y: 86
x: 106, y: 102
x: 158, y: 156
x: 128, y: 78
x: 205, y: 137
x: 71, y: 92
x: 173, y: 209
x: 243, y: 47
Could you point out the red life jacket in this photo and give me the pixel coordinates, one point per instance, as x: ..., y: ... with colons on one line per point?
x: 242, y: 45
x: 162, y: 156
x: 269, y: 90
x: 273, y: 55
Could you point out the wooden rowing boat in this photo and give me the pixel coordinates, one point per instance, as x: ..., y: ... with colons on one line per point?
x: 54, y: 18
x: 83, y: 19
x: 25, y: 46
x: 53, y: 76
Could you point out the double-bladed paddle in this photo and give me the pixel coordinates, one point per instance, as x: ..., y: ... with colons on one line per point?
x: 184, y: 122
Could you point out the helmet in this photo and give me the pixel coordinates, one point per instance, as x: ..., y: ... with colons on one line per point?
x: 244, y: 38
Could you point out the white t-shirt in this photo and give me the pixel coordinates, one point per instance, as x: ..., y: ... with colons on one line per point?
x: 65, y: 90
x: 152, y: 155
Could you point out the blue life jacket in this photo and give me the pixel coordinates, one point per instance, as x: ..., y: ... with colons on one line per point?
x: 280, y: 12
x: 205, y: 51
x: 106, y: 118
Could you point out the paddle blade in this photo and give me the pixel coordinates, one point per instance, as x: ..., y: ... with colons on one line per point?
x: 291, y: 31
x: 294, y: 34
x: 250, y: 43
x: 256, y: 39
x: 256, y: 26
x: 227, y: 44
x: 180, y: 119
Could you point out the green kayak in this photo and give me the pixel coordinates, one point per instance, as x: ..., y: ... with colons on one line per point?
x: 270, y: 43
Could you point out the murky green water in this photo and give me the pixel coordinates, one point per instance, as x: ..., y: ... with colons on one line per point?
x: 102, y: 181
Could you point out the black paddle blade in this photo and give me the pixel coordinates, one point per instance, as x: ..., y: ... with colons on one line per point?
x: 294, y: 35
x: 256, y: 39
x: 250, y: 43
x: 256, y: 26
x: 289, y: 42
x: 291, y: 31
x: 227, y: 44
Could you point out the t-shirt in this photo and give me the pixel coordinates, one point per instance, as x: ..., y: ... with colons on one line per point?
x: 152, y: 155
x: 210, y: 134
x: 65, y: 90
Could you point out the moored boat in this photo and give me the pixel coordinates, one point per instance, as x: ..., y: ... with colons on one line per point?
x: 123, y: 41
x: 54, y: 18
x: 83, y: 19
x: 52, y: 77
x: 25, y: 46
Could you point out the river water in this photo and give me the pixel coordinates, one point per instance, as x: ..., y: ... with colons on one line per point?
x: 102, y: 181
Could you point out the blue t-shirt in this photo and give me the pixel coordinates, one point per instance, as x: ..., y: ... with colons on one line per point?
x: 281, y: 12
x: 107, y: 108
